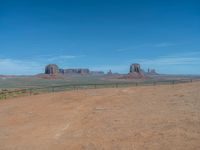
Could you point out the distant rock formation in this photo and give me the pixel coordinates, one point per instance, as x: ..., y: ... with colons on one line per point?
x: 54, y: 70
x: 97, y: 73
x: 151, y: 72
x: 135, y: 72
x: 109, y: 72
x: 51, y: 69
x: 75, y: 71
x: 51, y: 72
x: 135, y: 68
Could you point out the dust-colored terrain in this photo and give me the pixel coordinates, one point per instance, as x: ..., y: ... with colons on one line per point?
x: 163, y: 117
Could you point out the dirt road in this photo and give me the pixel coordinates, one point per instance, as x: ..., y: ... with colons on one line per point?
x: 137, y: 118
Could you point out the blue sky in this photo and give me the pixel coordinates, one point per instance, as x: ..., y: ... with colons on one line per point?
x: 100, y: 35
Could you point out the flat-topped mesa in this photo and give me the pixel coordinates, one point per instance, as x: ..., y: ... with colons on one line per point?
x: 51, y: 69
x: 75, y: 71
x: 96, y: 72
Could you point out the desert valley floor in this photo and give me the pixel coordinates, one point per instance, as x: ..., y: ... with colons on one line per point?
x: 165, y: 117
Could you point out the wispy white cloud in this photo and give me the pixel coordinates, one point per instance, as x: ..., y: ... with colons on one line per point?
x: 165, y: 44
x: 34, y: 65
x: 133, y: 47
x: 19, y: 67
x: 64, y: 57
x: 148, y: 45
x: 190, y: 58
x: 185, y: 63
x: 170, y: 61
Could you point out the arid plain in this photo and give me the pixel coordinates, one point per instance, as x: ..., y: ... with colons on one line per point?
x: 159, y: 117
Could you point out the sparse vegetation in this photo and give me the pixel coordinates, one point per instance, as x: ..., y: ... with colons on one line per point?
x: 37, y: 86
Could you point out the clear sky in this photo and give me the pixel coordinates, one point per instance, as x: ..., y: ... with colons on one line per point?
x: 100, y: 35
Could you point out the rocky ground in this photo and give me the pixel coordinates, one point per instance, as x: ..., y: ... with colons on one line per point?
x: 163, y: 117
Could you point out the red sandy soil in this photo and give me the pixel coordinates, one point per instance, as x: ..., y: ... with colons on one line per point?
x: 163, y: 117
